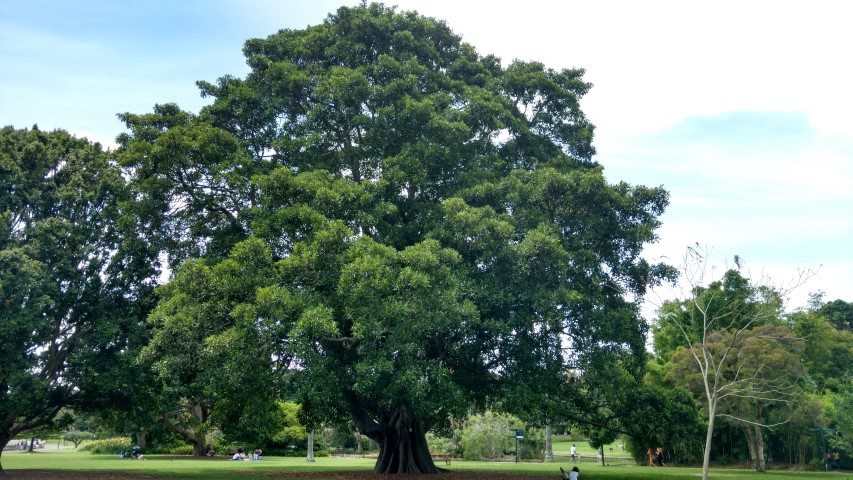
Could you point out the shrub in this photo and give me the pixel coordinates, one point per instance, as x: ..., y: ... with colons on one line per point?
x: 489, y: 436
x: 108, y: 445
x: 444, y: 445
x: 185, y: 449
x: 285, y: 452
x: 533, y: 445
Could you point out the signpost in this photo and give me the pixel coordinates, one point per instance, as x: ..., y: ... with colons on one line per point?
x: 519, y: 435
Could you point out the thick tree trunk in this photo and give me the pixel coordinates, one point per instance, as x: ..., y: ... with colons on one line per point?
x: 194, y: 432
x: 761, y: 466
x: 402, y: 443
x: 310, y: 457
x: 200, y: 447
x: 549, y: 447
x: 140, y: 437
x: 755, y: 441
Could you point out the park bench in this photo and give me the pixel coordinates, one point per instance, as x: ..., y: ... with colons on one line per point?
x: 445, y: 458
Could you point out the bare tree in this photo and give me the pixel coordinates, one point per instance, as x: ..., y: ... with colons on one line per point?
x: 739, y: 357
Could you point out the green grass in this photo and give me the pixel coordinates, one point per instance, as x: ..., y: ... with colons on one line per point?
x: 562, y: 444
x: 222, y: 469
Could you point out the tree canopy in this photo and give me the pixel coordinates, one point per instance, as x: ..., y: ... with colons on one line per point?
x: 70, y: 295
x: 432, y: 227
x: 727, y: 343
x: 396, y: 232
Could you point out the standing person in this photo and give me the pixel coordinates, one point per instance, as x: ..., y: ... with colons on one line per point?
x: 651, y: 458
x: 659, y: 456
x: 573, y: 452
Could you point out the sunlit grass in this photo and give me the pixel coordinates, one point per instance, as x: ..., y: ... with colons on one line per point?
x: 222, y: 468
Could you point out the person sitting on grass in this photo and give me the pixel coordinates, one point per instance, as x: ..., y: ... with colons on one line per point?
x: 573, y: 475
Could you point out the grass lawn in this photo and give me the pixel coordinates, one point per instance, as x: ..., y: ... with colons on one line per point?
x: 160, y: 467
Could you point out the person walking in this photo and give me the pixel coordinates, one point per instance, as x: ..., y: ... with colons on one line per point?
x: 573, y: 452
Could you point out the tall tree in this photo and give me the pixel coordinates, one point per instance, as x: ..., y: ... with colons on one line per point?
x: 66, y: 287
x: 436, y: 216
x: 839, y: 313
x: 841, y: 413
x: 738, y: 359
x: 828, y: 345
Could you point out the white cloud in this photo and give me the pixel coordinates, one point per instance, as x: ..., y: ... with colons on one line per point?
x: 740, y: 109
x: 656, y: 62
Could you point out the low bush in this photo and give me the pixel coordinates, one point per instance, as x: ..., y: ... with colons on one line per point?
x: 177, y: 450
x: 489, y: 436
x: 445, y: 446
x: 286, y: 452
x: 112, y: 445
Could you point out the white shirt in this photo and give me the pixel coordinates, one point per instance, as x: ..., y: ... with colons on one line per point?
x: 573, y: 475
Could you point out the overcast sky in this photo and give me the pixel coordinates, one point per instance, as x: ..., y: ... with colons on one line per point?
x: 742, y: 110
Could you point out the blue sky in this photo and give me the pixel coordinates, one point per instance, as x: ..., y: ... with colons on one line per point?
x: 740, y: 109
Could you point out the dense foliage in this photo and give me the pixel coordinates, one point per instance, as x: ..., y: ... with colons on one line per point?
x: 394, y: 231
x: 434, y: 229
x: 763, y: 379
x: 71, y: 294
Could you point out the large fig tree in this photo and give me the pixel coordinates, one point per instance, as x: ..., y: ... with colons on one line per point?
x: 436, y: 219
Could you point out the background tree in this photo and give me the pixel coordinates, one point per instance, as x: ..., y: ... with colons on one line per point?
x: 839, y: 313
x: 828, y: 344
x: 67, y: 286
x: 828, y: 353
x: 663, y: 416
x: 737, y: 358
x: 216, y: 329
x: 125, y: 399
x: 840, y: 413
x: 435, y: 217
x: 68, y: 425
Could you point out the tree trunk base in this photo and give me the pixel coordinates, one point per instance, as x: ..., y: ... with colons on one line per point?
x: 404, y: 447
